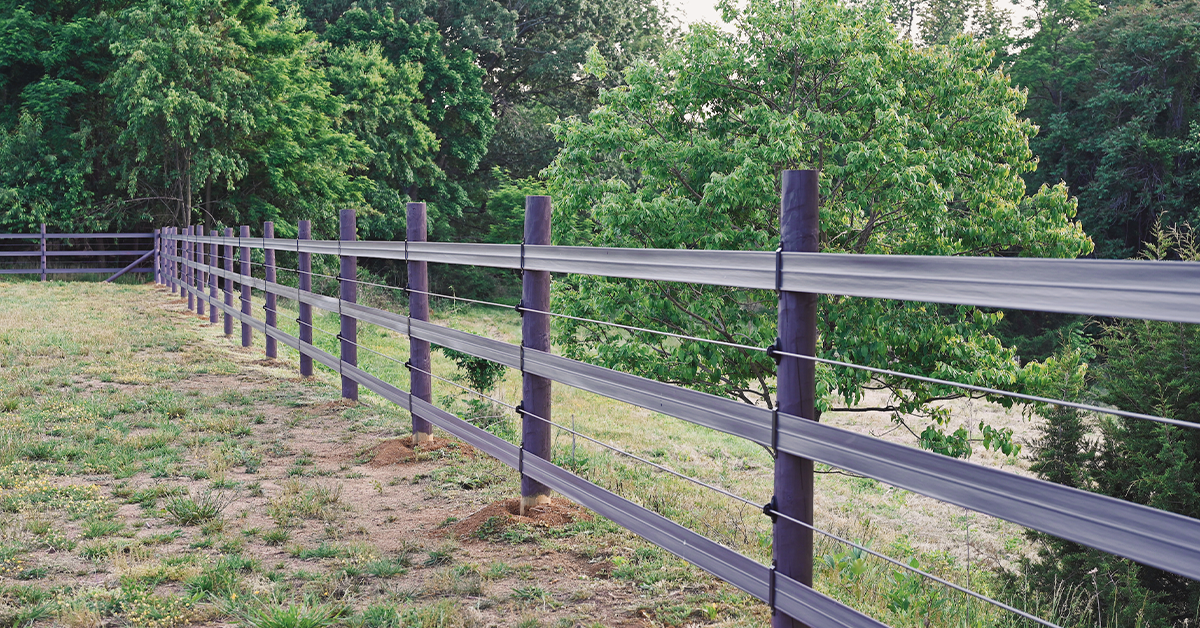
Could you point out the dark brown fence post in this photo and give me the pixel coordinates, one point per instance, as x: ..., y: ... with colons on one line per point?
x: 304, y: 266
x: 170, y: 249
x: 348, y: 232
x: 228, y: 282
x: 799, y: 230
x: 247, y: 331
x: 214, y: 258
x: 420, y: 382
x: 189, y: 273
x: 535, y: 336
x: 157, y: 277
x: 270, y: 297
x: 43, y: 251
x: 201, y: 276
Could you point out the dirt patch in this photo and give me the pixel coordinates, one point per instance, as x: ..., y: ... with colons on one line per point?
x: 401, y: 450
x: 500, y: 515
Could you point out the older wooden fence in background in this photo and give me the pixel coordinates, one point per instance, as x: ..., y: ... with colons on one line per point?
x: 72, y: 255
x: 190, y: 262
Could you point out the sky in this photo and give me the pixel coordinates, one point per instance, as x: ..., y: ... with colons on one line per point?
x: 697, y: 11
x: 691, y: 11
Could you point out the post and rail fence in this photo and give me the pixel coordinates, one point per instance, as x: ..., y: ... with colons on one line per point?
x: 1167, y: 291
x: 70, y: 255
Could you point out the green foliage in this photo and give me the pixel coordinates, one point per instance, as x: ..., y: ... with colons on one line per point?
x: 1113, y: 88
x: 295, y: 616
x: 481, y: 374
x: 1145, y: 367
x: 920, y: 152
x: 419, y: 103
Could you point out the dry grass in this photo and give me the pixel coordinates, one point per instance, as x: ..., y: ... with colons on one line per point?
x: 122, y: 408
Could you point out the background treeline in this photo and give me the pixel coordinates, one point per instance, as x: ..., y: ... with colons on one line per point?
x: 127, y: 114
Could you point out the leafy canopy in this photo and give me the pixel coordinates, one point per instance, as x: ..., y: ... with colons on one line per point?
x: 920, y: 150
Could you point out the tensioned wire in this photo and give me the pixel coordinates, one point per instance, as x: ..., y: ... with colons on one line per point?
x: 831, y: 362
x: 766, y: 509
x: 735, y: 496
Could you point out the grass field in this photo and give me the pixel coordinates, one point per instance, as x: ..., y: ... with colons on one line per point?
x: 154, y: 473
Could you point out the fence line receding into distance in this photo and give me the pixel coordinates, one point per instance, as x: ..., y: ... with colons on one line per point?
x: 191, y: 264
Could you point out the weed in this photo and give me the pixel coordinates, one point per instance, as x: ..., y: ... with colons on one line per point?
x: 276, y: 537
x: 295, y: 616
x: 190, y: 511
x: 388, y: 567
x: 532, y: 593
x: 96, y: 529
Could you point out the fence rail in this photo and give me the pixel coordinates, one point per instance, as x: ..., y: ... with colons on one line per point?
x: 43, y: 254
x: 1167, y: 291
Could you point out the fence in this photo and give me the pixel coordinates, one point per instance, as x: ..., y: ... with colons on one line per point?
x: 43, y: 253
x: 191, y: 263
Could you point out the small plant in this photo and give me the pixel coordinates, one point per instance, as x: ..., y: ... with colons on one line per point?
x: 189, y: 511
x: 441, y: 556
x: 295, y: 616
x: 96, y: 529
x: 276, y: 537
x: 531, y: 593
x: 388, y: 567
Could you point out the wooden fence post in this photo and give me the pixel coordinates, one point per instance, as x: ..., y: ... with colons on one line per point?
x: 304, y: 266
x: 247, y: 330
x: 43, y: 251
x: 348, y: 232
x: 169, y: 247
x: 228, y: 282
x: 269, y: 273
x: 420, y: 382
x: 535, y: 336
x: 214, y: 258
x: 189, y: 273
x: 799, y: 230
x: 156, y: 275
x: 201, y: 276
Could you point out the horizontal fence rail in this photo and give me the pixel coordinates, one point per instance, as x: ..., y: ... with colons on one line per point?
x: 76, y: 256
x: 1147, y: 535
x: 1168, y: 291
x: 1150, y: 290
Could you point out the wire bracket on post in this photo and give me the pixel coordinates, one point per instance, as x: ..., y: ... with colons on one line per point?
x: 341, y: 318
x: 769, y: 509
x: 779, y: 269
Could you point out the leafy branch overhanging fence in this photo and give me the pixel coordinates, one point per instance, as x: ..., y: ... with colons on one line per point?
x: 190, y: 263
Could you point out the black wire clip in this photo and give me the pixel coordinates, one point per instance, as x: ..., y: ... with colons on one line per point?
x: 773, y: 350
x: 520, y: 307
x: 520, y: 409
x: 769, y: 510
x: 771, y: 586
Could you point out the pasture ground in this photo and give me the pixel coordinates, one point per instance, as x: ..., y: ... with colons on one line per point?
x: 154, y: 473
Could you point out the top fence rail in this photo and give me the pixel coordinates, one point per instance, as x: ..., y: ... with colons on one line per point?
x: 60, y: 236
x: 1166, y: 291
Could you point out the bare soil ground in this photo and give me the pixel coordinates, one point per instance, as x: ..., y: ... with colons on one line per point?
x: 155, y: 473
x: 316, y: 503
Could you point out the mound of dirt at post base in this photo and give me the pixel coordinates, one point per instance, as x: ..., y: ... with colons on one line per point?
x: 500, y: 515
x: 401, y: 450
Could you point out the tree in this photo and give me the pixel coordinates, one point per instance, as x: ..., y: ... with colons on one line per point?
x: 434, y: 131
x: 920, y: 152
x: 1115, y: 93
x: 530, y: 53
x: 1146, y: 367
x: 53, y: 128
x: 215, y: 93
